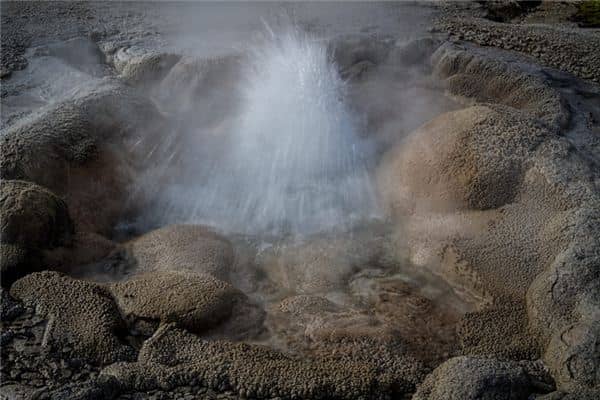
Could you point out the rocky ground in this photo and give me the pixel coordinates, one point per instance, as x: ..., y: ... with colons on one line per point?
x: 480, y: 281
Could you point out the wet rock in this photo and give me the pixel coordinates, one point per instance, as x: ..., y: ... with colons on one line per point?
x: 195, y: 301
x: 172, y: 357
x: 182, y: 247
x: 82, y: 149
x: 320, y: 263
x: 86, y: 248
x: 475, y: 378
x: 33, y: 219
x: 139, y: 66
x: 471, y: 72
x: 33, y: 216
x: 439, y: 167
x: 499, y: 331
x: 80, y: 314
x: 82, y: 53
x: 9, y: 308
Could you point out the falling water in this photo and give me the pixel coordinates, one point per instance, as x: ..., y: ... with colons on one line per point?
x: 294, y: 161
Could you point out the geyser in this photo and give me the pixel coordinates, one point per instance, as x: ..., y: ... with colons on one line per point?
x: 293, y: 161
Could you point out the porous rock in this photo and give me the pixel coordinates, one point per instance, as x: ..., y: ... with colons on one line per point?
x: 533, y: 234
x: 499, y: 331
x: 472, y: 73
x: 32, y: 219
x: 139, y: 66
x: 172, y: 357
x: 182, y: 247
x: 82, y: 149
x: 203, y: 89
x: 475, y: 378
x: 195, y: 301
x: 466, y: 159
x: 80, y: 314
x: 32, y: 215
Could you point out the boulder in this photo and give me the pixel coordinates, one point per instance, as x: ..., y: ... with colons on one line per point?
x: 32, y: 219
x: 469, y: 378
x: 466, y: 159
x: 81, y: 315
x: 33, y: 216
x: 470, y: 72
x: 173, y: 356
x: 498, y: 331
x: 194, y: 301
x: 85, y: 150
x: 182, y: 247
x: 142, y: 67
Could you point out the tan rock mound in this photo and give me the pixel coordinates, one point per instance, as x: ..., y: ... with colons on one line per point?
x: 182, y: 247
x: 196, y: 302
x: 476, y: 378
x: 511, y: 222
x: 83, y: 150
x: 138, y: 66
x: 31, y: 219
x: 474, y: 74
x: 498, y: 331
x: 32, y: 215
x: 172, y: 356
x: 80, y: 314
x: 467, y: 159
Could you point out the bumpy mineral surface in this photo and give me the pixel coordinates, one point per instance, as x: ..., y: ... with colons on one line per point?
x: 478, y: 276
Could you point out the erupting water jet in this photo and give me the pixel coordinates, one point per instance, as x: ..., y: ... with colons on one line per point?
x: 295, y: 162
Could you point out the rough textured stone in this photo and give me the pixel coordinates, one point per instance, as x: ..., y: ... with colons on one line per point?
x: 471, y: 73
x: 172, y: 356
x: 475, y: 378
x: 182, y: 247
x: 499, y: 331
x: 32, y: 219
x: 442, y: 166
x: 33, y: 216
x: 82, y: 150
x: 196, y: 302
x: 80, y: 314
x: 138, y: 66
x: 566, y: 49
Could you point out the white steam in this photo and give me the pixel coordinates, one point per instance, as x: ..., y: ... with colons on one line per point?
x: 294, y: 162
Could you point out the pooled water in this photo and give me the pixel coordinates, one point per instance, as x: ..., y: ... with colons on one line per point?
x: 294, y: 162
